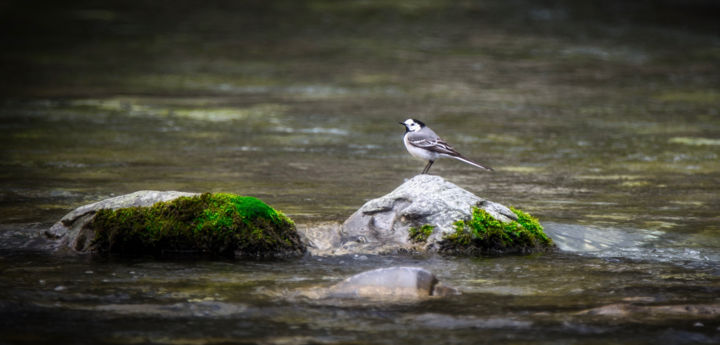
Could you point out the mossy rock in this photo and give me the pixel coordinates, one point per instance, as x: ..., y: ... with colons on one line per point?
x: 485, y: 235
x: 208, y: 224
x: 421, y: 234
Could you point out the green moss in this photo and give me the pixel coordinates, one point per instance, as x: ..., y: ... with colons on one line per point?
x: 208, y: 224
x: 420, y: 235
x: 483, y: 234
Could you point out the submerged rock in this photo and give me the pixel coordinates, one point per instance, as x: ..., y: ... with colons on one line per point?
x: 391, y: 283
x: 429, y: 214
x: 176, y: 223
x: 626, y: 311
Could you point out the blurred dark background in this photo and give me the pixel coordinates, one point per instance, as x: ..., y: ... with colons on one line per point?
x: 81, y: 48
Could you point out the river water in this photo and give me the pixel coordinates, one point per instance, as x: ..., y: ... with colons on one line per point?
x: 600, y: 119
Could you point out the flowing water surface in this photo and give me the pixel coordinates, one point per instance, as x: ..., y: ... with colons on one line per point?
x: 600, y: 119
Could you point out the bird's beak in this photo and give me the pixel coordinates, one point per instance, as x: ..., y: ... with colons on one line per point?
x: 402, y: 123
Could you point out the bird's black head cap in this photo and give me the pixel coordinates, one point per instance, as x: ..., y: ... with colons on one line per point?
x: 412, y: 125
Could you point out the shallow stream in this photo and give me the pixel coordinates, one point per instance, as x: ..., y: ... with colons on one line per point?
x: 599, y: 120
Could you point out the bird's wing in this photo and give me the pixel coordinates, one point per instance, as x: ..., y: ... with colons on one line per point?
x: 432, y: 144
x: 435, y: 144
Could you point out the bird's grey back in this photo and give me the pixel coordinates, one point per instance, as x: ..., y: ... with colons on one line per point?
x: 423, y: 134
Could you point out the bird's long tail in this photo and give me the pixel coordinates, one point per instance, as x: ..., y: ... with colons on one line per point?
x: 463, y: 159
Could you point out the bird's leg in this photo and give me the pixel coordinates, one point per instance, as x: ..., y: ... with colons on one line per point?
x: 427, y: 167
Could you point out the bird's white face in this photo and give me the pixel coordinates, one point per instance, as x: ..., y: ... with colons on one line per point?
x: 412, y: 126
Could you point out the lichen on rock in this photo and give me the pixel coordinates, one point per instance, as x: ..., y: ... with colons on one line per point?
x: 482, y: 234
x: 207, y: 224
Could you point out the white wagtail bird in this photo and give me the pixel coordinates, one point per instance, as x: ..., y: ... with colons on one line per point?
x: 423, y: 143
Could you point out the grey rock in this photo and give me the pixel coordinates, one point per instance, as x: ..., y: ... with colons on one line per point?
x: 391, y: 283
x: 628, y: 310
x: 71, y: 233
x: 382, y: 225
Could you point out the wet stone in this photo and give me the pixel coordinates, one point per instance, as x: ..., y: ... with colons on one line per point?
x: 428, y: 214
x: 71, y: 232
x: 391, y: 283
x: 176, y: 224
